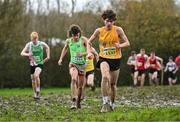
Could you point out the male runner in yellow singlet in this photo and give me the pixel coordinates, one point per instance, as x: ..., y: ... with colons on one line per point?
x: 111, y: 39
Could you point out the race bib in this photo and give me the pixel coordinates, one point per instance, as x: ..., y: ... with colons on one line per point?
x: 133, y: 62
x: 78, y: 58
x: 109, y: 51
x: 171, y: 69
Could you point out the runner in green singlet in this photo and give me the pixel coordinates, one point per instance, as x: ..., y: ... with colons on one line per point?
x: 76, y: 43
x: 34, y: 51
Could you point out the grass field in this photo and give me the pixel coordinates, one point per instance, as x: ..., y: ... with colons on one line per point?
x: 160, y: 103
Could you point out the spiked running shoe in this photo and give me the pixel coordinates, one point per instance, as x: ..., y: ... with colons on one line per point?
x: 105, y: 108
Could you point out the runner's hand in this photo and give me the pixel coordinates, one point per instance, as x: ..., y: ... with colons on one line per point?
x: 117, y: 45
x: 46, y: 59
x: 90, y: 55
x: 60, y: 62
x: 97, y: 58
x: 30, y: 56
x: 147, y: 66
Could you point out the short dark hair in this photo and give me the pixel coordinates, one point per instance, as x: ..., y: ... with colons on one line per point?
x: 142, y: 49
x: 171, y: 57
x: 108, y: 14
x: 152, y: 52
x: 74, y: 29
x: 133, y: 52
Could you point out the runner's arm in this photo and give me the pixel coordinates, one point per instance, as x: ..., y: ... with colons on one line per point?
x: 25, y: 51
x: 47, y: 52
x: 124, y: 39
x: 176, y: 69
x: 95, y: 53
x: 147, y: 64
x: 161, y: 62
x: 159, y: 65
x: 84, y: 43
x: 166, y: 68
x: 129, y: 61
x: 89, y: 42
x: 160, y: 59
x: 63, y: 53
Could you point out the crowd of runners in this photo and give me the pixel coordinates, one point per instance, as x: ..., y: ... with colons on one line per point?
x: 82, y: 55
x: 142, y: 64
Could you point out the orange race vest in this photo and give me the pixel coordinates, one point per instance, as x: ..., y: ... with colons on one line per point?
x: 107, y: 40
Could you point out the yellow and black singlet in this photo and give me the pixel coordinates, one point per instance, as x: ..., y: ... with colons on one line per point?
x: 107, y: 40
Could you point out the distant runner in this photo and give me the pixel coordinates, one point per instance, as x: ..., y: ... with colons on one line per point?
x: 34, y: 51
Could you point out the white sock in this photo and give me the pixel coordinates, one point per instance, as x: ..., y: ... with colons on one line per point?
x: 105, y: 99
x: 112, y: 104
x: 35, y: 94
x: 38, y: 89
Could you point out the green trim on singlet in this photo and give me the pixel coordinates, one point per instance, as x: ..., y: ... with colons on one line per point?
x: 75, y: 48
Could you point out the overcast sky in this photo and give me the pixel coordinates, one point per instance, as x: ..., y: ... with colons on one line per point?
x: 66, y: 4
x: 66, y: 7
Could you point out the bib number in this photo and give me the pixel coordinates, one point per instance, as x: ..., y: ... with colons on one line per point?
x: 171, y: 69
x: 109, y: 51
x: 78, y: 58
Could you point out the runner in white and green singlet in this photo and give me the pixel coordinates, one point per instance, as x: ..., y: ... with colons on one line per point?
x: 34, y: 51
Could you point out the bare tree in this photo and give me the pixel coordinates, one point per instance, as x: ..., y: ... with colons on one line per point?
x: 28, y: 5
x: 58, y: 6
x: 47, y: 4
x: 39, y: 6
x: 118, y: 4
x: 73, y: 6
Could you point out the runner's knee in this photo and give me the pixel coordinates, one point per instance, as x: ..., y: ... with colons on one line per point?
x: 174, y: 81
x: 113, y: 85
x: 33, y: 79
x: 74, y: 80
x: 105, y: 78
x: 36, y: 76
x: 80, y: 87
